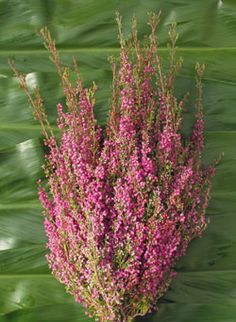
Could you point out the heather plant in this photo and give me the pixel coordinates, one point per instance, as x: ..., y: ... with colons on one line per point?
x: 122, y: 204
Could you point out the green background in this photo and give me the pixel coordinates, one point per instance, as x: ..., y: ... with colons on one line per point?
x: 205, y: 288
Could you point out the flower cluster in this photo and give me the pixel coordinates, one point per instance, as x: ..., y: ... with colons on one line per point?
x: 122, y: 204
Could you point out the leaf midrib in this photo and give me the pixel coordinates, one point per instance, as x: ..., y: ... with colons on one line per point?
x: 105, y: 49
x: 47, y: 275
x: 32, y: 127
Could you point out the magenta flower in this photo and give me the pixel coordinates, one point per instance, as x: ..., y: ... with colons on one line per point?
x: 122, y: 205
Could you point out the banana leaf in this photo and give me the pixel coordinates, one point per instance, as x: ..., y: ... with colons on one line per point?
x: 205, y: 287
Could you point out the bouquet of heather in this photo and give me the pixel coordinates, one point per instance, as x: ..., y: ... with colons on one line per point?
x: 122, y: 204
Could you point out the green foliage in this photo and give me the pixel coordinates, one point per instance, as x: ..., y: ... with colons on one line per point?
x: 204, y: 289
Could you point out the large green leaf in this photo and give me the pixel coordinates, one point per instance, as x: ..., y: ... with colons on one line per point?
x: 204, y: 289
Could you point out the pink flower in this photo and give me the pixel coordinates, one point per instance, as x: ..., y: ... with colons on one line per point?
x: 121, y: 207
